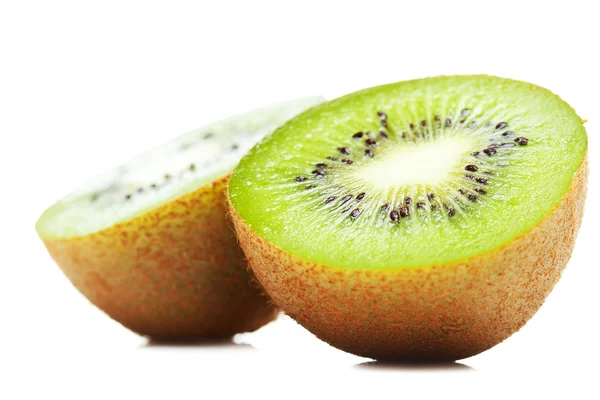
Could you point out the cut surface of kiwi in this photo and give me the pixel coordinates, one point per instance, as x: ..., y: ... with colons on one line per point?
x: 410, y: 174
x: 421, y: 220
x: 150, y: 244
x: 164, y: 173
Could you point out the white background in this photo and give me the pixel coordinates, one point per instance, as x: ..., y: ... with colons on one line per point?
x: 85, y: 85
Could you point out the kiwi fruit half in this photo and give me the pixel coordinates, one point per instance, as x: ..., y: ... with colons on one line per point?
x: 420, y: 220
x: 148, y: 242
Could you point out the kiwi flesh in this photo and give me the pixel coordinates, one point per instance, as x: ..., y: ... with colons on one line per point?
x: 148, y: 242
x: 420, y: 220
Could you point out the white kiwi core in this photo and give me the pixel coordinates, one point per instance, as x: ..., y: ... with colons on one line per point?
x: 428, y: 163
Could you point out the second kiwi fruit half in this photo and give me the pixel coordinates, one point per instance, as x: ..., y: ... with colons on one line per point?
x: 148, y: 242
x: 421, y: 220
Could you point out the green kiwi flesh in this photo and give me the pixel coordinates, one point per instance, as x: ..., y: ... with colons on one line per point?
x: 162, y: 174
x: 410, y: 174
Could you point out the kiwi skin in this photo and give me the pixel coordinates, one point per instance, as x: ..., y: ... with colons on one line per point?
x: 174, y: 273
x: 432, y: 313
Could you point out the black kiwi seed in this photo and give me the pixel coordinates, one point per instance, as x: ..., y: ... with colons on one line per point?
x: 360, y: 196
x: 383, y: 134
x: 385, y: 207
x: 404, y: 212
x: 483, y: 181
x: 448, y: 123
x: 319, y: 172
x: 501, y: 125
x: 329, y: 199
x: 407, y: 200
x: 475, y: 153
x: 436, y: 118
x: 433, y: 207
x: 508, y: 133
x: 344, y: 150
x: 128, y: 197
x: 493, y: 146
x: 521, y: 141
x: 154, y: 186
x: 472, y: 168
x: 358, y: 135
x: 465, y: 112
x: 234, y: 146
x: 345, y: 199
x: 332, y: 158
x: 369, y: 152
x: 371, y: 142
x: 490, y: 151
x: 423, y: 123
x: 403, y: 135
x: 412, y: 126
x: 384, y: 123
x: 311, y: 186
x: 462, y: 121
x: 472, y: 197
x: 192, y: 167
x: 451, y: 211
x: 382, y: 115
x: 321, y: 165
x: 420, y: 204
x: 345, y: 210
x: 480, y: 191
x: 430, y: 196
x: 300, y: 178
x: 394, y: 215
x: 347, y: 161
x: 355, y: 213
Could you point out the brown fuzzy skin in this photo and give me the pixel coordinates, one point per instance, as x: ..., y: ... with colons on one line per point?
x: 432, y: 313
x: 173, y: 273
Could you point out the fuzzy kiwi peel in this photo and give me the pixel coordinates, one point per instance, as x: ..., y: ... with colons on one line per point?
x: 443, y: 231
x: 149, y: 243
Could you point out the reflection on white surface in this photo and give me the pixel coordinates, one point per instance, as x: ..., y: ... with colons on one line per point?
x: 414, y: 367
x: 202, y: 344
